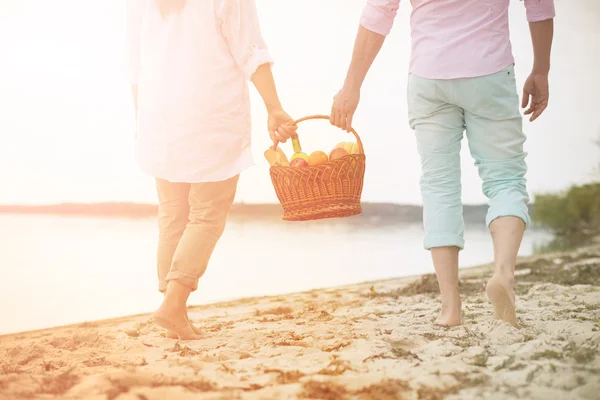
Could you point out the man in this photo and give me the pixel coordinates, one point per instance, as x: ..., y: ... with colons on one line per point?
x: 462, y: 80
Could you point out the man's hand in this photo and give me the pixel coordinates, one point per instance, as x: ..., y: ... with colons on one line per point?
x: 535, y: 90
x: 344, y: 107
x: 366, y: 48
x: 281, y: 126
x: 535, y: 94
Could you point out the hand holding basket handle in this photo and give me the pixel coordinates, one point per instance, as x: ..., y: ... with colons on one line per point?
x: 328, y: 190
x: 360, y: 146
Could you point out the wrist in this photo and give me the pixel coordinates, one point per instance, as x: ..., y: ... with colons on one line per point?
x: 540, y: 68
x: 273, y: 106
x: 352, y: 85
x: 353, y: 81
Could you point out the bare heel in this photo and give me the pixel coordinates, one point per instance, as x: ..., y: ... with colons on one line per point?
x: 500, y: 298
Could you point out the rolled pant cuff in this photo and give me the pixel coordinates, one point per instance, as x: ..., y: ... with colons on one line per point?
x: 189, y: 281
x: 495, y: 214
x: 162, y: 286
x: 448, y: 240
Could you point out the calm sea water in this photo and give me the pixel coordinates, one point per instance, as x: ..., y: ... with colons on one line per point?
x: 62, y: 270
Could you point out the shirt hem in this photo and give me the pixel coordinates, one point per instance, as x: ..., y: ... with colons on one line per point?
x: 172, y: 179
x: 416, y: 72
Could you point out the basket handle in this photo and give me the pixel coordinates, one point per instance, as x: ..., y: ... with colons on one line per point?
x: 360, y: 145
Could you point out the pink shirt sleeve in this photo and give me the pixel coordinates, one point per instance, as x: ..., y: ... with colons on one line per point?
x: 539, y: 10
x: 378, y: 15
x: 241, y: 29
x: 134, y: 21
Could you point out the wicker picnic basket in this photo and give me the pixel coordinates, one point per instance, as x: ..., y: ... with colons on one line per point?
x: 329, y: 190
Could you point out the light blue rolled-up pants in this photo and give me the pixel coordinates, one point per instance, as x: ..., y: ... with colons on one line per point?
x: 487, y: 109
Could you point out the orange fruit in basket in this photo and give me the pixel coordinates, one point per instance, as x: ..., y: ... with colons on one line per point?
x: 317, y: 158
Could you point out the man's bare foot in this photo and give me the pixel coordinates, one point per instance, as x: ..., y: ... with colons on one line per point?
x: 175, y: 321
x: 451, y: 309
x: 501, y: 293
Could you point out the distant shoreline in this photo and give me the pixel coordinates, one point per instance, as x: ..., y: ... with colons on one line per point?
x: 373, y: 213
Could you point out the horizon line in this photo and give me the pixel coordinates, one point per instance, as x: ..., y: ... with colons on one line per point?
x: 144, y: 204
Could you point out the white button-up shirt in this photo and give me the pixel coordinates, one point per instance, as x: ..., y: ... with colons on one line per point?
x: 192, y: 71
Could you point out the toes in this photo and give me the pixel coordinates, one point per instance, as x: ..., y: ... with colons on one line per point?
x: 196, y: 330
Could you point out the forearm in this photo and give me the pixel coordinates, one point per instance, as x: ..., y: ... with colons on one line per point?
x: 134, y: 95
x: 366, y: 48
x: 542, y: 33
x: 265, y: 85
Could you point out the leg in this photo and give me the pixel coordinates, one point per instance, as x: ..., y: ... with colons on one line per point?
x: 172, y: 314
x: 439, y: 129
x: 507, y: 233
x: 173, y: 217
x: 173, y: 212
x: 209, y: 206
x: 445, y: 261
x: 494, y: 131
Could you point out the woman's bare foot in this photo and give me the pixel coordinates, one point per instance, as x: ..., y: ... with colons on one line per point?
x: 175, y: 321
x: 451, y: 309
x: 501, y: 293
x: 172, y: 335
x: 196, y: 330
x: 178, y: 295
x: 172, y: 314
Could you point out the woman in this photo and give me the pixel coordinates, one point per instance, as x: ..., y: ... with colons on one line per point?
x: 189, y: 62
x: 462, y: 79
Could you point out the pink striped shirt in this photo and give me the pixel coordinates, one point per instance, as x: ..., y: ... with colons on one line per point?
x: 455, y: 38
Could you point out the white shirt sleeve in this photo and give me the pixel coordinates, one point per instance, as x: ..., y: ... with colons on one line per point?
x: 240, y: 27
x: 134, y: 23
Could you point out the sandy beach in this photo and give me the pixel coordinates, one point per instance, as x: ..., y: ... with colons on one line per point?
x: 365, y: 341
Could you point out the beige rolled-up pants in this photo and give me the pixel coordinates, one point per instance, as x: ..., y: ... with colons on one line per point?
x: 191, y: 219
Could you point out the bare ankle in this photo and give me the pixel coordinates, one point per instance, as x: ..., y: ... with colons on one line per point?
x: 450, y: 296
x: 506, y: 273
x: 176, y: 294
x: 449, y: 290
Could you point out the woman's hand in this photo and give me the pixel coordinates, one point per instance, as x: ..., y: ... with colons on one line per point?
x: 281, y: 126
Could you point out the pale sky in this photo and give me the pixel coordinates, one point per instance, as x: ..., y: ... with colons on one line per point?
x: 66, y: 119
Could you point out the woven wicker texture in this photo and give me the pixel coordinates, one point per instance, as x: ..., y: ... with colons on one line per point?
x: 329, y: 190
